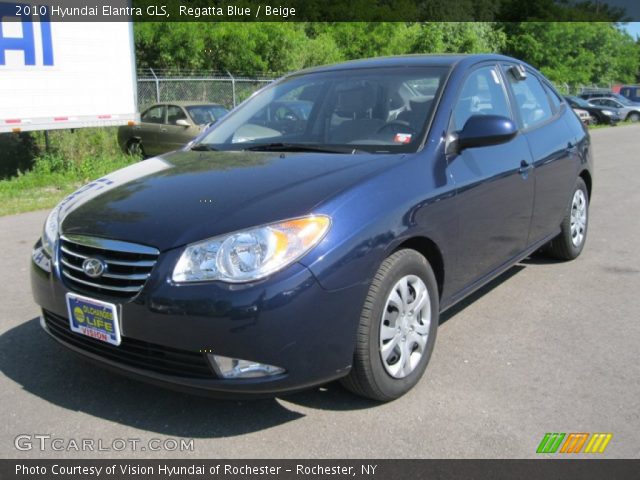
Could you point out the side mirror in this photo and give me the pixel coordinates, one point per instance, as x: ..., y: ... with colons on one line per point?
x: 485, y: 130
x: 182, y: 123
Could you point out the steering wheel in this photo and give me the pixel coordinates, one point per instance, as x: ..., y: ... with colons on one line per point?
x: 397, y: 126
x: 285, y: 114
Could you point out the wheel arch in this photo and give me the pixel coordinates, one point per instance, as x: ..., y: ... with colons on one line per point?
x: 586, y: 178
x: 430, y: 250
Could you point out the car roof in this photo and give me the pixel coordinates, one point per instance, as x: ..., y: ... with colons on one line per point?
x: 416, y: 60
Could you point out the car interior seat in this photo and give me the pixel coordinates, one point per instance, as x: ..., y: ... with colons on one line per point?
x: 356, y: 107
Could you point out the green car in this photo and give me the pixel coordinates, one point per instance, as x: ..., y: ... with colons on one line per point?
x: 168, y: 126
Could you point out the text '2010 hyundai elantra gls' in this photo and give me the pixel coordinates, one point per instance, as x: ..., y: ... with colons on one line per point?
x: 318, y: 231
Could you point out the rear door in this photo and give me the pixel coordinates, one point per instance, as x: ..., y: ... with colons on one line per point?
x: 494, y: 185
x: 553, y: 150
x: 147, y: 130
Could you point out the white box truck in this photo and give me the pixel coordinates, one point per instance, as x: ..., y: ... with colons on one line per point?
x: 59, y: 74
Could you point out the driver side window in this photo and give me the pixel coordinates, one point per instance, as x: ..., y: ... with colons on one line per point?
x: 483, y: 93
x: 154, y: 115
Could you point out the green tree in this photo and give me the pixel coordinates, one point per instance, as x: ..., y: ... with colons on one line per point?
x: 576, y: 53
x: 459, y: 37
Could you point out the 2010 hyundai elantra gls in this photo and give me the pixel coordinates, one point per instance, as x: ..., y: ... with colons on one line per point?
x: 319, y: 230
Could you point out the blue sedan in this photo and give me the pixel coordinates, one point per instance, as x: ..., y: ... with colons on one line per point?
x: 285, y: 247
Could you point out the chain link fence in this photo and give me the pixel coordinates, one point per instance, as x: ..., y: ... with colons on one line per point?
x: 156, y: 86
x: 566, y: 89
x: 224, y: 88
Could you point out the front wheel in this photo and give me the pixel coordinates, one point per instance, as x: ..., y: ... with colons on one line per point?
x: 134, y: 148
x: 573, y: 235
x: 634, y: 117
x: 397, y: 329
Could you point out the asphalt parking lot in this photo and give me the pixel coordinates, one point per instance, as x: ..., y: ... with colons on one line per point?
x: 547, y: 347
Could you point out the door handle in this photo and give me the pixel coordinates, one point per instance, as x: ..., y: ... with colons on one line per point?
x: 163, y: 129
x: 524, y: 167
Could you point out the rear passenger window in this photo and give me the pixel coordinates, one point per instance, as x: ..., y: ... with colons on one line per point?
x: 531, y: 100
x: 482, y: 94
x: 556, y: 102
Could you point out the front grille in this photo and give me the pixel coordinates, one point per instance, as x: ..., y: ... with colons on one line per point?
x: 128, y: 265
x: 135, y: 353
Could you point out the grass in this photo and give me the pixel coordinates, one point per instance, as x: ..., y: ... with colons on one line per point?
x: 51, y: 179
x: 621, y: 124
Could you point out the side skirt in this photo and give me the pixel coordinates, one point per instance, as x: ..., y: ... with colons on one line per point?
x: 465, y: 292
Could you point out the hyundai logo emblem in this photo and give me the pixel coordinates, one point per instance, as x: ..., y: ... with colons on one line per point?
x: 93, y: 267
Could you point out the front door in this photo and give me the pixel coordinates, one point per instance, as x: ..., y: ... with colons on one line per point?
x: 494, y: 184
x: 173, y: 136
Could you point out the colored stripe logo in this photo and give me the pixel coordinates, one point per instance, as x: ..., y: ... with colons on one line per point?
x: 574, y: 442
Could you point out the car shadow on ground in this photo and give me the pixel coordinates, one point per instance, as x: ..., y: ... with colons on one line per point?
x: 45, y: 369
x: 482, y: 291
x: 49, y: 371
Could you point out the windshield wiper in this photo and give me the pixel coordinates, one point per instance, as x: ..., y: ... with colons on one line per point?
x: 203, y: 147
x: 299, y: 147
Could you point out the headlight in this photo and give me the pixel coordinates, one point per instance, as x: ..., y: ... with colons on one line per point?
x: 608, y: 112
x: 251, y: 254
x: 50, y: 231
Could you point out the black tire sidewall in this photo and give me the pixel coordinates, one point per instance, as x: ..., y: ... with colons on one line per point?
x: 411, y: 263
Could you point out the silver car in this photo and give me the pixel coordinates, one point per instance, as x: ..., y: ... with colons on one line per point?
x: 167, y: 126
x: 627, y: 110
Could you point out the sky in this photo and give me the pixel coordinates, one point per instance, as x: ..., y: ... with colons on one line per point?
x: 633, y: 28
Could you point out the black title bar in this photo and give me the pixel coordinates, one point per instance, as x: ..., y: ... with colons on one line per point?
x: 322, y: 10
x: 543, y: 469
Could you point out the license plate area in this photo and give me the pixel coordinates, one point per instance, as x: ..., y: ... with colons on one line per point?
x: 94, y: 318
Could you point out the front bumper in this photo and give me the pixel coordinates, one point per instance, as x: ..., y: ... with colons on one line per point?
x: 288, y: 321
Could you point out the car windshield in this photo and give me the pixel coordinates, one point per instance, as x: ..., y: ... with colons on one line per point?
x: 374, y: 110
x: 203, y: 114
x: 622, y: 99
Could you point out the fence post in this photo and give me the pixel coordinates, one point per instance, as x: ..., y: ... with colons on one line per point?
x: 233, y: 87
x: 157, y: 85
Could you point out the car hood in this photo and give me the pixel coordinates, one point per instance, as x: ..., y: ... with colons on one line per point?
x: 183, y: 197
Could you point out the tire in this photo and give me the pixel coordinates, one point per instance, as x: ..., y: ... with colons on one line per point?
x: 134, y: 148
x: 570, y: 242
x: 595, y: 120
x: 633, y: 117
x: 382, y: 329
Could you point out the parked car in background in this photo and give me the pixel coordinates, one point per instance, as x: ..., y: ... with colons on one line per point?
x: 583, y: 115
x: 627, y: 111
x: 269, y: 257
x: 168, y: 126
x: 599, y: 115
x: 616, y: 96
x: 632, y: 92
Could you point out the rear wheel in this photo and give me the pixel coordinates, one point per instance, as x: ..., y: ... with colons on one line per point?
x: 569, y: 244
x: 397, y: 329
